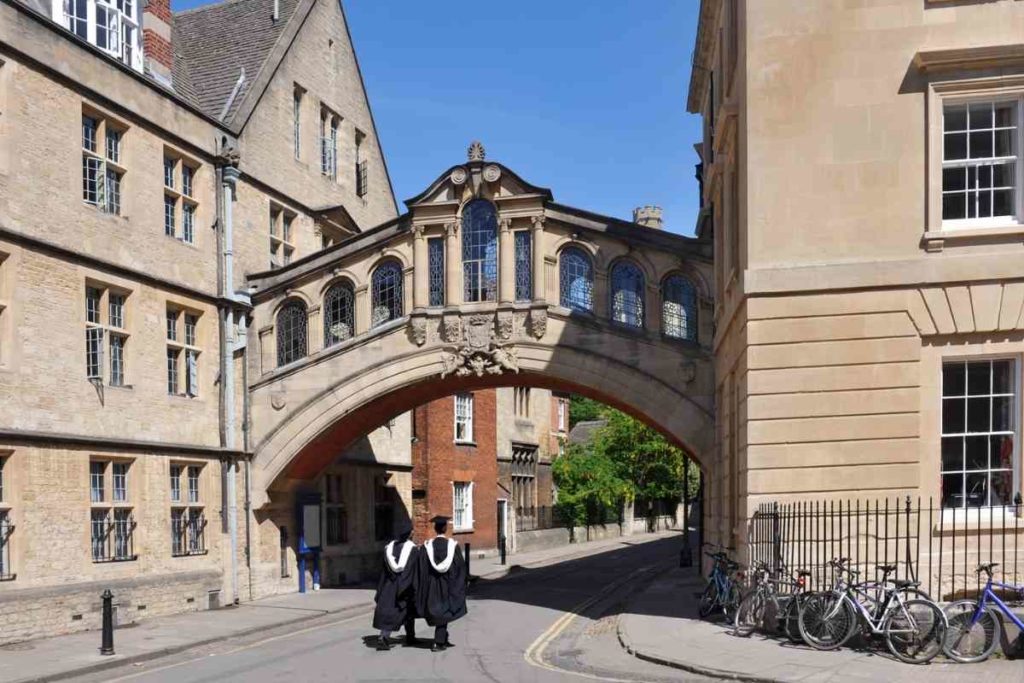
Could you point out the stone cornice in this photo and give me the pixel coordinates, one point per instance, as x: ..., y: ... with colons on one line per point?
x: 984, y: 57
x: 103, y: 443
x: 710, y: 10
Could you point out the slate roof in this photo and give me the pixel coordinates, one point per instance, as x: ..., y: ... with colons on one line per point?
x: 213, y: 43
x: 584, y: 432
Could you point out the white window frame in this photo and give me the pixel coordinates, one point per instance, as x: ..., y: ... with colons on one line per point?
x: 467, y: 511
x: 183, y: 351
x: 463, y: 418
x: 104, y: 333
x: 984, y: 512
x: 127, y: 47
x: 188, y: 512
x: 561, y: 415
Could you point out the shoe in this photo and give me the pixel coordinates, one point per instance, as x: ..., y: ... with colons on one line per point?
x: 383, y: 645
x: 410, y: 641
x: 449, y: 644
x: 436, y: 647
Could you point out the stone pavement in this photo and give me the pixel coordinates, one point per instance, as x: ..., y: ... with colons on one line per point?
x: 660, y: 624
x: 62, y: 657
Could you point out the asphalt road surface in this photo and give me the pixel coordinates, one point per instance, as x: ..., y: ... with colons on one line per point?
x: 557, y: 623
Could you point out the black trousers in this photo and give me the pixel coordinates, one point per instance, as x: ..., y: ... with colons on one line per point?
x: 410, y: 629
x: 441, y: 634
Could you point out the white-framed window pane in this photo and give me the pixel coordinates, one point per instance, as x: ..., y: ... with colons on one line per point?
x: 113, y: 145
x: 94, y: 352
x: 120, y: 477
x: 196, y: 526
x: 92, y: 304
x: 193, y: 484
x: 169, y: 224
x: 178, y: 531
x: 980, y: 150
x: 172, y: 371
x: 175, y: 478
x: 979, y: 432
x: 296, y: 120
x: 191, y: 373
x: 116, y: 360
x: 89, y: 128
x: 172, y: 325
x: 169, y: 164
x: 96, y: 487
x: 191, y: 321
x: 464, y: 417
x: 187, y: 173
x: 462, y: 505
x: 92, y: 180
x: 116, y: 308
x: 112, y: 192
x: 98, y: 534
x: 188, y: 219
x: 123, y: 524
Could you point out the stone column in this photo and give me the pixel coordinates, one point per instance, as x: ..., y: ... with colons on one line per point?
x: 540, y: 293
x: 452, y: 264
x: 506, y: 262
x: 362, y: 312
x: 421, y: 270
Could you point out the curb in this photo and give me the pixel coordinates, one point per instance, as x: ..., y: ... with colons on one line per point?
x: 176, y: 649
x: 627, y: 644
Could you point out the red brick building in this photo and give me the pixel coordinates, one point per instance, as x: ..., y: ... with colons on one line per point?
x: 455, y: 467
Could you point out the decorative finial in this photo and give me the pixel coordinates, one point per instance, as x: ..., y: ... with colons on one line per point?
x: 476, y: 151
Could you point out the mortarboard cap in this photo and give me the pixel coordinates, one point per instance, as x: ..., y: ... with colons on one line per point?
x: 440, y: 519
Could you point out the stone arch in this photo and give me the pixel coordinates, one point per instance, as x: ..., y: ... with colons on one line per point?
x: 310, y: 435
x: 344, y: 275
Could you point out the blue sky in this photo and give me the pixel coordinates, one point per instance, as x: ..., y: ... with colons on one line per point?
x: 586, y: 98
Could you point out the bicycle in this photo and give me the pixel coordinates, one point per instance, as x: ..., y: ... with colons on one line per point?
x: 914, y: 630
x: 974, y: 626
x: 761, y: 605
x: 721, y: 590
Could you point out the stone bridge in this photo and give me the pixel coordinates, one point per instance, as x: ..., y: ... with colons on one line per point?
x: 484, y: 281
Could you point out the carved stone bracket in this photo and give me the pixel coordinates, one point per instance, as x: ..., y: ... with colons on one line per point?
x: 538, y: 322
x: 506, y: 325
x: 688, y: 371
x: 451, y: 329
x: 418, y: 330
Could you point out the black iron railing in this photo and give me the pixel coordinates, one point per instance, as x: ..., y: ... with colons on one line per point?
x: 6, y: 529
x: 940, y: 547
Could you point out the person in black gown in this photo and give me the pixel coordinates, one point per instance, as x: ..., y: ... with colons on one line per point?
x: 396, y: 589
x: 441, y: 585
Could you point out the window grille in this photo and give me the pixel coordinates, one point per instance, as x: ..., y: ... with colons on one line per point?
x: 191, y: 373
x: 679, y: 308
x: 178, y: 532
x: 979, y: 431
x: 576, y: 280
x: 339, y: 316
x: 386, y: 295
x: 979, y: 160
x: 524, y: 265
x: 196, y: 529
x: 6, y: 529
x: 435, y: 268
x: 480, y: 251
x: 291, y: 333
x: 462, y: 505
x: 188, y: 521
x: 463, y: 417
x: 627, y: 295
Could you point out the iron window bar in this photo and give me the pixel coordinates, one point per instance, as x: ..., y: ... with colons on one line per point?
x: 6, y: 529
x: 113, y: 536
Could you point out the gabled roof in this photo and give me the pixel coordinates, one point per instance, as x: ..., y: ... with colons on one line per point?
x: 214, y: 43
x: 584, y: 432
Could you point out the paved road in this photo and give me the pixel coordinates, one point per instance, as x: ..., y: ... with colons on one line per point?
x: 550, y: 624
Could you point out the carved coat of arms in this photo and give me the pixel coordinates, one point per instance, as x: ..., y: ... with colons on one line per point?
x: 479, y: 354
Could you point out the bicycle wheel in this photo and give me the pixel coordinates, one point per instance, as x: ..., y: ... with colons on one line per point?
x: 708, y: 600
x: 916, y: 632
x: 750, y: 613
x: 730, y: 601
x: 789, y: 621
x: 967, y: 640
x: 827, y: 620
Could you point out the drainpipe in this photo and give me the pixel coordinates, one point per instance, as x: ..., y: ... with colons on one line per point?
x: 229, y: 179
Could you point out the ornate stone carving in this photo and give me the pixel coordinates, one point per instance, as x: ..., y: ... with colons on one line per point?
x: 519, y: 323
x: 492, y: 173
x: 451, y: 329
x: 476, y: 151
x: 452, y: 228
x: 278, y: 399
x: 479, y: 353
x: 458, y: 175
x: 538, y: 323
x: 418, y: 331
x: 505, y: 325
x: 688, y: 371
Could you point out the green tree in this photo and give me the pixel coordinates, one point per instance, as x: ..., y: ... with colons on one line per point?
x: 583, y: 409
x: 588, y: 483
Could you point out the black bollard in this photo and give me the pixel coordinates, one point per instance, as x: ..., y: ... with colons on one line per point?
x: 468, y: 559
x: 502, y: 550
x: 107, y: 642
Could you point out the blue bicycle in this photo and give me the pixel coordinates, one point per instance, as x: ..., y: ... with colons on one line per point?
x: 974, y: 626
x: 722, y: 591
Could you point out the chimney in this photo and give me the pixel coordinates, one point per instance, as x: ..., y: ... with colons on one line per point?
x: 156, y: 33
x: 648, y: 216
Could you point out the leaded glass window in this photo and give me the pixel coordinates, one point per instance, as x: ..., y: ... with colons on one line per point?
x: 627, y: 295
x: 386, y: 294
x: 339, y: 319
x: 480, y: 251
x: 679, y: 308
x: 523, y: 262
x: 435, y: 268
x: 576, y: 280
x: 291, y: 333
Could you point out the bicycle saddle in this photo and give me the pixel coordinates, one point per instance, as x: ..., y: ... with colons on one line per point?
x: 901, y: 583
x: 802, y: 572
x: 986, y: 567
x: 887, y: 568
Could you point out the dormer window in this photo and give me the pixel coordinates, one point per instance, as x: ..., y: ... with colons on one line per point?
x: 110, y: 25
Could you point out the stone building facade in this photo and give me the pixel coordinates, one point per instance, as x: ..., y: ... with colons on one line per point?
x: 868, y: 267
x: 142, y: 175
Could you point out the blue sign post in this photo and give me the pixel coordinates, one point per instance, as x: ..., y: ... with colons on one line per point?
x: 308, y: 517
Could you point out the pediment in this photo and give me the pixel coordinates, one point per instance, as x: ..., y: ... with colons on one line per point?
x: 477, y: 178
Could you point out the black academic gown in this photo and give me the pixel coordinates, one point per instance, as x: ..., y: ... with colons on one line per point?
x: 395, y: 595
x: 441, y: 596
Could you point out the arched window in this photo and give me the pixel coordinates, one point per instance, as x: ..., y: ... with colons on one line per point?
x: 339, y: 320
x: 679, y: 308
x: 576, y: 280
x: 291, y: 332
x: 386, y: 294
x: 627, y: 294
x: 479, y: 251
